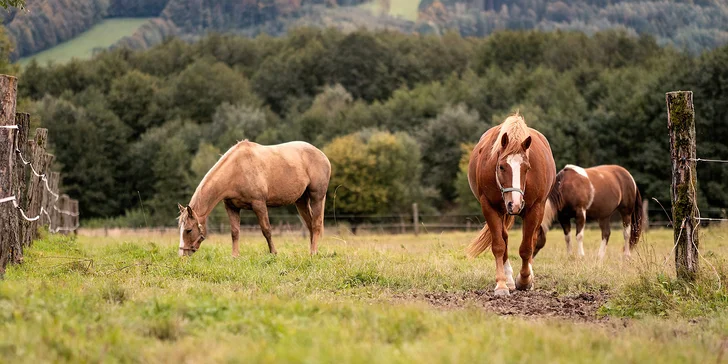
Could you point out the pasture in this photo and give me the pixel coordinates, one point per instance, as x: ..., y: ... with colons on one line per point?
x: 370, y: 298
x: 101, y: 35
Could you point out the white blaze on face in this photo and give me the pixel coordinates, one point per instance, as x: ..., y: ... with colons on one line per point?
x: 181, y: 240
x: 515, y: 162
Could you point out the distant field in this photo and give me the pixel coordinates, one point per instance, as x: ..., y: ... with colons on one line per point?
x: 406, y: 9
x: 101, y: 35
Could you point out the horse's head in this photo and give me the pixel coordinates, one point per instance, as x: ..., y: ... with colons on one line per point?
x: 511, y: 169
x: 191, y: 233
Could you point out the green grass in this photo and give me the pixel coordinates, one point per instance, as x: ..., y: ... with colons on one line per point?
x: 131, y: 299
x: 101, y: 35
x: 406, y: 9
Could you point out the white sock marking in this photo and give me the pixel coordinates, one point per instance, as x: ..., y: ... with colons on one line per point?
x: 602, y: 249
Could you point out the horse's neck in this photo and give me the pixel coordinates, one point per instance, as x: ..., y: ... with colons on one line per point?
x: 205, y: 199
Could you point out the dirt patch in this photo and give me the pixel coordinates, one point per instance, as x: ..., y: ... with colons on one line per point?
x: 581, y: 307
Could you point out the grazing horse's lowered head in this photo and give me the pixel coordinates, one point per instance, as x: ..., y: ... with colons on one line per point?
x: 513, y: 166
x: 191, y: 231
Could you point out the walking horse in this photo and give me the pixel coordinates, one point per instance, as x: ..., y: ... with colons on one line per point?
x: 593, y: 193
x: 511, y: 172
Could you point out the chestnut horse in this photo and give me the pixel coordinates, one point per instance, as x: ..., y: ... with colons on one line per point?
x: 511, y: 172
x: 254, y: 177
x: 594, y: 193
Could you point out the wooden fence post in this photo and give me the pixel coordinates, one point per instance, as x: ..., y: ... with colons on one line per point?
x: 63, y: 218
x: 76, y: 217
x: 19, y: 182
x: 645, y: 216
x: 36, y: 186
x: 681, y: 123
x: 415, y: 219
x: 53, y: 201
x: 8, y: 213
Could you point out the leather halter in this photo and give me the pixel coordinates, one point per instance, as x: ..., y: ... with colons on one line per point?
x: 503, y: 191
x: 199, y: 238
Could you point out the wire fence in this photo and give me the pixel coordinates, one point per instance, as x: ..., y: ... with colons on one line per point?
x: 29, y: 196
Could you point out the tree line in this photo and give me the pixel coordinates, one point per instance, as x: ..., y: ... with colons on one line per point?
x: 393, y: 112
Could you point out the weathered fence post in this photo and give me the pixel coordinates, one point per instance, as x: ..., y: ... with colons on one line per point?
x: 681, y: 123
x: 415, y: 219
x: 19, y: 182
x: 645, y: 215
x: 53, y: 200
x: 75, y: 221
x: 64, y: 220
x: 36, y: 186
x: 8, y: 213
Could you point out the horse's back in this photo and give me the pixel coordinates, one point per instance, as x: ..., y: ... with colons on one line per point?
x: 621, y: 180
x: 281, y: 173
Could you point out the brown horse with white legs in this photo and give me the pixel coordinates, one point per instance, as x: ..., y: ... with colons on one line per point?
x: 594, y: 193
x: 511, y: 172
x: 254, y: 177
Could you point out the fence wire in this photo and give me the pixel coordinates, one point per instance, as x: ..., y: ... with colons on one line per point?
x: 43, y: 211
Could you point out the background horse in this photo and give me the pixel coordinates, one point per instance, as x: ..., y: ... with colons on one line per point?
x: 254, y: 177
x: 511, y: 172
x: 594, y: 193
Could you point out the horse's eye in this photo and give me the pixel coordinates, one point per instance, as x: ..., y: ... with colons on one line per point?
x: 502, y: 168
x: 188, y: 231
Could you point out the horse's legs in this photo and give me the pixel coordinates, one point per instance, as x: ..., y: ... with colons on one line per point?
x: 261, y: 211
x: 510, y: 283
x: 606, y: 230
x: 531, y: 222
x: 317, y: 219
x: 566, y: 225
x: 302, y: 205
x: 626, y: 224
x: 498, y: 247
x: 234, y: 216
x: 580, y: 222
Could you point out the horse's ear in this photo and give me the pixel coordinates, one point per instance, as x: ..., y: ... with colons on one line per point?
x: 181, y: 208
x: 526, y: 143
x: 504, y: 140
x: 189, y: 211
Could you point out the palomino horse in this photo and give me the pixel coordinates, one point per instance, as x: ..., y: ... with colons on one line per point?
x: 511, y: 172
x: 594, y: 193
x: 254, y: 177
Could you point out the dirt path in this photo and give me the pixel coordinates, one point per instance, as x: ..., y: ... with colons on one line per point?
x: 582, y: 307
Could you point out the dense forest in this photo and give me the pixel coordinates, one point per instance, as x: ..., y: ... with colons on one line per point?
x: 394, y: 112
x: 692, y: 25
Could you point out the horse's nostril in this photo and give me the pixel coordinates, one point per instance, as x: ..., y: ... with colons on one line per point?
x: 510, y: 205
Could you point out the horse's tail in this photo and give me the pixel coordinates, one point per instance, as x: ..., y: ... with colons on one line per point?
x: 634, y: 235
x: 483, y: 241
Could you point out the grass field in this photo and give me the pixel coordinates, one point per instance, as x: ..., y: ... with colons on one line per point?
x: 101, y: 35
x: 362, y: 299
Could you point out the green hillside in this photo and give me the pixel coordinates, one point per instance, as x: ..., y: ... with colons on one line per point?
x: 101, y: 35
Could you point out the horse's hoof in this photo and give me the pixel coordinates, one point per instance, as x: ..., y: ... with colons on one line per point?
x: 521, y: 286
x: 501, y: 292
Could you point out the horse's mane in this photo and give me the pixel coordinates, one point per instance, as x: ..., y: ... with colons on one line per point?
x: 517, y: 131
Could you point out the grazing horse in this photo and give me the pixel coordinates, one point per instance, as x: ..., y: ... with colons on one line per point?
x: 254, y: 177
x: 511, y: 172
x: 593, y: 193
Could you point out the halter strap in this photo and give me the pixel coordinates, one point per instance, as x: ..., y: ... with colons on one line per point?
x: 503, y: 191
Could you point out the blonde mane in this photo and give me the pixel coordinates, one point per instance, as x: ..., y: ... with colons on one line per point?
x: 517, y: 131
